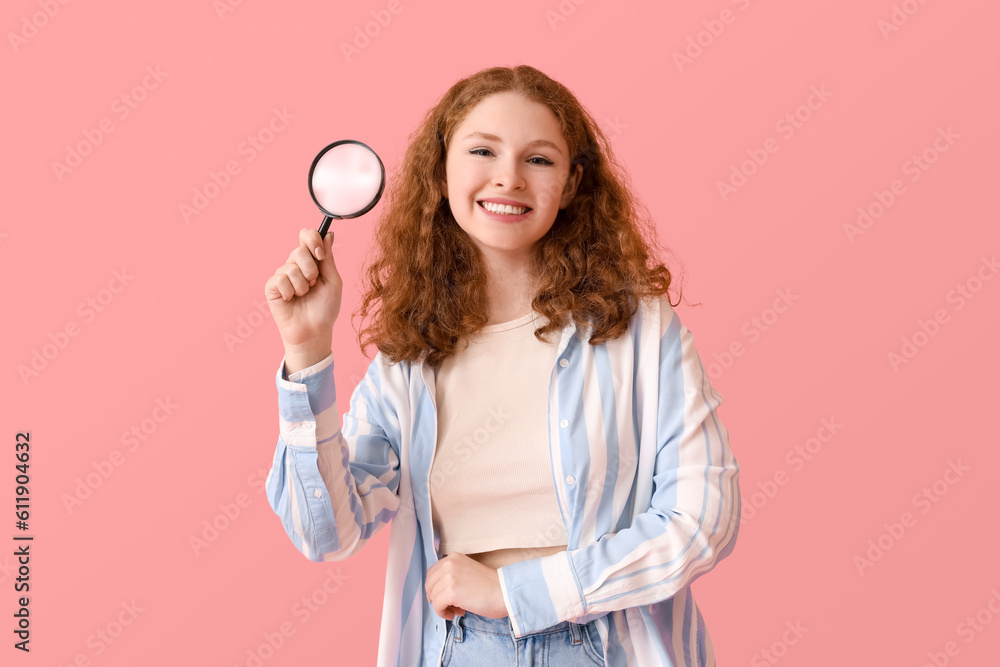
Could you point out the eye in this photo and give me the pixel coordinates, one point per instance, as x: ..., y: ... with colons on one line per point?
x: 544, y: 161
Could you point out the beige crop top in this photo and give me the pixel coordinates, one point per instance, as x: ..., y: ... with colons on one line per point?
x: 491, y: 478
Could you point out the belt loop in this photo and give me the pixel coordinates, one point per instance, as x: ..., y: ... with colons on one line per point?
x: 459, y: 628
x: 574, y: 630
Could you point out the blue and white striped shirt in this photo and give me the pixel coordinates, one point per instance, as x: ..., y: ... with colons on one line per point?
x: 646, y: 483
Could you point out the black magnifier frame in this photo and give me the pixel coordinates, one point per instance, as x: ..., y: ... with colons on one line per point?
x: 333, y: 216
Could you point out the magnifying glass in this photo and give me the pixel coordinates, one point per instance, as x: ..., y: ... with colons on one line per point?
x: 345, y: 180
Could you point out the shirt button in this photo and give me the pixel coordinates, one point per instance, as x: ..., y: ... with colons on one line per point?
x: 317, y: 493
x: 570, y: 479
x: 564, y: 362
x: 564, y: 423
x: 435, y: 627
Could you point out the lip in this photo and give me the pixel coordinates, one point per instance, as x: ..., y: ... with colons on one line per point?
x: 502, y: 217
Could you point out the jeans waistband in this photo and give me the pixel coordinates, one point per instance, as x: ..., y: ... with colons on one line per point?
x: 503, y: 626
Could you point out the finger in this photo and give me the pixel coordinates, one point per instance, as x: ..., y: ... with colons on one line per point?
x: 305, y: 263
x: 442, y: 596
x: 311, y: 239
x: 277, y: 286
x: 433, y: 587
x: 429, y: 585
x: 283, y: 285
x: 299, y: 283
x: 328, y: 267
x: 439, y: 609
x: 449, y: 612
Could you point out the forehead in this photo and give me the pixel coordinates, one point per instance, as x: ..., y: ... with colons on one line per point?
x: 513, y: 118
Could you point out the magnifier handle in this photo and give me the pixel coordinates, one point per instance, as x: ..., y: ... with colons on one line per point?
x: 325, y: 226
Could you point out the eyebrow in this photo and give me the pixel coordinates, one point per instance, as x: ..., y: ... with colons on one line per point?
x: 493, y: 137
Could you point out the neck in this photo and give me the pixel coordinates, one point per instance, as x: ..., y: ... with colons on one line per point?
x: 510, y: 297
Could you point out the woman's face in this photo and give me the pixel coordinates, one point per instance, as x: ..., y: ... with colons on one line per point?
x: 508, y: 148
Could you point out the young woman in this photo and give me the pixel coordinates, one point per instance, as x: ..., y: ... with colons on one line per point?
x: 536, y: 424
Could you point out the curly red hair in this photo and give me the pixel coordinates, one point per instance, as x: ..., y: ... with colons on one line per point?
x: 430, y: 277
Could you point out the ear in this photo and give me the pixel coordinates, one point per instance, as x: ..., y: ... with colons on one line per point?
x: 443, y: 187
x: 572, y: 183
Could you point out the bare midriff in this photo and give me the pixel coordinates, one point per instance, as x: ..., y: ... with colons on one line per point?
x: 501, y: 557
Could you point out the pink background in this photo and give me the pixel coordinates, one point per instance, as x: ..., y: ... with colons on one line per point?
x: 192, y: 288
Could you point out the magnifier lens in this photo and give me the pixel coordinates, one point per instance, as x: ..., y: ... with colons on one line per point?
x: 346, y: 179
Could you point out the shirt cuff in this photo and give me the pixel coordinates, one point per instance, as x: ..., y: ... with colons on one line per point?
x: 541, y: 592
x: 305, y: 372
x: 305, y: 402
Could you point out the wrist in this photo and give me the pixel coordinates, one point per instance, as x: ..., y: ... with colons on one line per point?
x: 304, y: 355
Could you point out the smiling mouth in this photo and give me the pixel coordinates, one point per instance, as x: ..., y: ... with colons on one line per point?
x: 526, y: 209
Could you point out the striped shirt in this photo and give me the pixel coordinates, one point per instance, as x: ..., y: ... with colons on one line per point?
x: 647, y: 487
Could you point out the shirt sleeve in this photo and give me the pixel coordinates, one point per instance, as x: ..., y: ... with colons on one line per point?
x: 691, y: 525
x: 333, y: 488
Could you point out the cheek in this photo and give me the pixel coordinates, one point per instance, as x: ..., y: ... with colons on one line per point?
x: 550, y: 193
x: 464, y: 183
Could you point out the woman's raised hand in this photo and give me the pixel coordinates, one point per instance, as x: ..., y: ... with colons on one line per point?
x: 304, y: 295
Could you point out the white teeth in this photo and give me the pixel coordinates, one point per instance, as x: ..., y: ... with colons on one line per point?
x: 503, y: 208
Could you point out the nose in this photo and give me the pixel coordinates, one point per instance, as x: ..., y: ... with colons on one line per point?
x: 508, y: 174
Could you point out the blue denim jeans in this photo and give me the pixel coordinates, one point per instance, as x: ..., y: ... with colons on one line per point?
x: 473, y: 641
